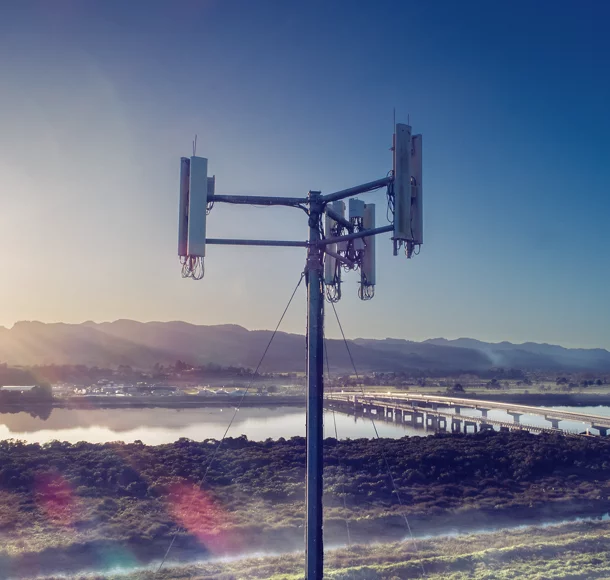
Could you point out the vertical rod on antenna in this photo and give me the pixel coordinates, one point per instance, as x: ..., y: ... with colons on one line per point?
x: 314, y: 547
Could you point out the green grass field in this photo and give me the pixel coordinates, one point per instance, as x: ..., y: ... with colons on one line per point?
x: 570, y: 551
x: 75, y: 508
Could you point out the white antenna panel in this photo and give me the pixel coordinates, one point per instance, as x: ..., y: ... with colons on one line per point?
x: 367, y: 270
x: 197, y: 206
x: 212, y: 185
x: 184, y: 206
x: 402, y: 183
x: 330, y: 263
x: 332, y: 274
x: 338, y: 207
x: 356, y: 209
x: 417, y: 221
x: 329, y: 224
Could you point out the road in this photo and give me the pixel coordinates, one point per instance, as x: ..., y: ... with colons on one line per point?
x: 426, y: 403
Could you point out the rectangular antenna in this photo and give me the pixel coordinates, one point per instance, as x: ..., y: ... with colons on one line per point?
x: 183, y: 206
x: 330, y: 263
x: 402, y: 183
x: 367, y: 270
x: 197, y: 205
x: 417, y: 221
x: 356, y: 209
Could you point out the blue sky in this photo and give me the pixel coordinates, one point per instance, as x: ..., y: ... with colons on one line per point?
x: 100, y: 100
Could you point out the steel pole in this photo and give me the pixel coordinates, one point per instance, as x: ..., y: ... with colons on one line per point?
x: 314, y: 545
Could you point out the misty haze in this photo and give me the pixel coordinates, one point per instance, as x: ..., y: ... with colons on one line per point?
x: 304, y: 290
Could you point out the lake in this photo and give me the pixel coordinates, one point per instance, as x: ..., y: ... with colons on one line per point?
x: 155, y: 426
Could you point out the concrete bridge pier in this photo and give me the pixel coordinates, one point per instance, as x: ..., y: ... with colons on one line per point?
x: 485, y: 427
x: 554, y: 422
x: 470, y: 424
x: 431, y: 421
x: 417, y: 421
x: 603, y: 431
x: 456, y: 425
x: 442, y: 423
x: 515, y: 416
x: 483, y: 411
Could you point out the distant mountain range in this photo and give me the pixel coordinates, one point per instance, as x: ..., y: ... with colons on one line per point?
x: 141, y: 345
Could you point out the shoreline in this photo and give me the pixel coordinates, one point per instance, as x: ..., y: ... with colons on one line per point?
x: 272, y: 401
x: 166, y: 402
x: 178, y: 401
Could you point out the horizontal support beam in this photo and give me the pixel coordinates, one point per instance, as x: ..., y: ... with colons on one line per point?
x: 295, y: 201
x: 356, y: 190
x: 298, y: 244
x: 339, y: 219
x: 355, y: 235
x: 257, y: 200
x: 234, y: 242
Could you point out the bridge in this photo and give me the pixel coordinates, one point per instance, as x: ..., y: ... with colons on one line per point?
x: 427, y: 411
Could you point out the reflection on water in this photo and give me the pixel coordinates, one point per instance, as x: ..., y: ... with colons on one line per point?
x: 155, y: 426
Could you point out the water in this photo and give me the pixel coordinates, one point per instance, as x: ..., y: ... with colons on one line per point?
x: 155, y: 426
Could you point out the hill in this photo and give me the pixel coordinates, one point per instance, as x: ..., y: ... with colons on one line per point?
x: 141, y: 345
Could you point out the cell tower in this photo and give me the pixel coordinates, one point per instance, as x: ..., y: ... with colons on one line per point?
x: 336, y: 243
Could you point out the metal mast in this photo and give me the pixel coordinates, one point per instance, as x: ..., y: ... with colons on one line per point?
x: 314, y: 545
x: 343, y: 246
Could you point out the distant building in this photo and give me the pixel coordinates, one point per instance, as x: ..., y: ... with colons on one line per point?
x: 21, y: 388
x: 156, y: 389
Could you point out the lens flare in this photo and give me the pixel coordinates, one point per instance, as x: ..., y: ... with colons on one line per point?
x: 196, y: 511
x: 56, y: 499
